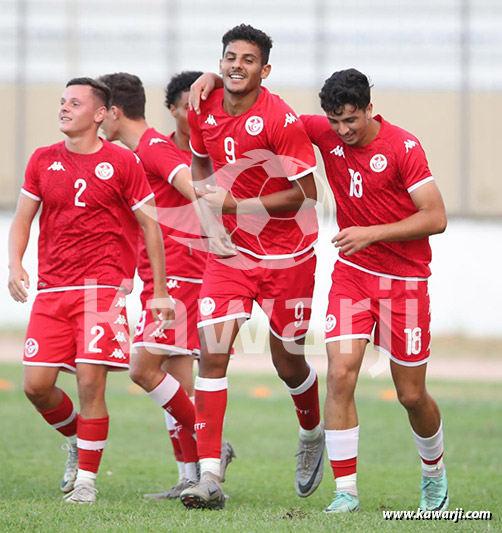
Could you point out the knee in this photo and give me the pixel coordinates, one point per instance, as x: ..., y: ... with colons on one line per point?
x: 137, y: 375
x: 341, y: 381
x: 36, y: 393
x: 410, y: 399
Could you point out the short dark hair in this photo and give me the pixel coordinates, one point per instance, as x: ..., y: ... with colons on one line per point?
x: 127, y: 92
x: 345, y: 87
x: 244, y: 32
x: 99, y: 89
x: 179, y: 84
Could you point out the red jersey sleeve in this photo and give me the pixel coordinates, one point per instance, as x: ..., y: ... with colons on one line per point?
x: 166, y: 162
x: 196, y: 141
x: 136, y: 189
x: 30, y: 185
x: 412, y: 162
x: 291, y: 143
x: 315, y: 126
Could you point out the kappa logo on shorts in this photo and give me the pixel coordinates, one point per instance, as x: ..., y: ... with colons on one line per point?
x: 31, y: 348
x: 378, y: 163
x: 207, y: 306
x: 330, y: 323
x: 104, y: 171
x: 254, y: 125
x: 172, y: 284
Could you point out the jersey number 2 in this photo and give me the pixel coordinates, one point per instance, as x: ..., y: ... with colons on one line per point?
x: 81, y: 186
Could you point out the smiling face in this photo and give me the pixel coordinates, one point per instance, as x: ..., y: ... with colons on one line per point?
x: 80, y: 111
x: 354, y: 126
x: 241, y: 67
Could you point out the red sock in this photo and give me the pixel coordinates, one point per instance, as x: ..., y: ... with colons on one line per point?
x: 210, y: 406
x: 174, y: 434
x: 91, y: 440
x: 63, y: 418
x: 306, y: 399
x: 344, y: 468
x: 188, y: 446
x: 173, y: 398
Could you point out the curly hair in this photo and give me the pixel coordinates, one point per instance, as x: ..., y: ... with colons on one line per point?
x: 345, y: 87
x: 244, y: 32
x: 98, y: 88
x: 179, y: 84
x: 127, y: 92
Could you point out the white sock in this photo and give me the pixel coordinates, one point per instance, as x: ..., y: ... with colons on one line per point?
x: 191, y: 471
x: 347, y: 484
x: 210, y: 465
x: 431, y: 449
x: 181, y: 470
x: 85, y: 476
x: 310, y: 434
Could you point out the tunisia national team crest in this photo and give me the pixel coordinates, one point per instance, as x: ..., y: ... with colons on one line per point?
x: 207, y: 306
x: 254, y: 125
x: 330, y: 323
x: 104, y: 171
x: 30, y: 348
x: 378, y: 163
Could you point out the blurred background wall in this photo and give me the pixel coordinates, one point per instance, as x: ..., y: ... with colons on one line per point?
x: 436, y: 66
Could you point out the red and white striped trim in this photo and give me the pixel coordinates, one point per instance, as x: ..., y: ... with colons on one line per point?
x: 415, y: 186
x: 30, y: 195
x: 345, y: 262
x: 197, y: 153
x: 188, y: 280
x: 400, y: 361
x: 175, y: 171
x: 288, y: 339
x: 72, y: 369
x: 211, y: 384
x: 285, y: 256
x: 64, y: 423
x: 141, y: 202
x: 164, y: 347
x: 217, y: 320
x: 302, y: 174
x: 93, y: 445
x: 348, y: 337
x: 79, y: 287
x: 106, y: 363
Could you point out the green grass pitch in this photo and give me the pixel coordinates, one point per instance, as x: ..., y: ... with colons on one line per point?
x: 261, y: 425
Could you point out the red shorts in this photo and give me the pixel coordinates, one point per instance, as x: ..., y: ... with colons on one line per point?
x: 398, y: 310
x: 78, y: 326
x: 284, y: 294
x: 182, y: 336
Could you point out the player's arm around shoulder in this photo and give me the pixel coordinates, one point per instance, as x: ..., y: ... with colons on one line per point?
x: 19, y: 235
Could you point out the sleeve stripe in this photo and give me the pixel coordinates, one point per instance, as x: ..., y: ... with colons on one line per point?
x: 175, y: 171
x: 141, y: 202
x: 302, y: 174
x: 419, y: 184
x: 30, y: 195
x: 195, y: 152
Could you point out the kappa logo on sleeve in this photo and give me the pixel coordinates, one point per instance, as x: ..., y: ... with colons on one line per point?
x: 409, y: 144
x: 156, y: 140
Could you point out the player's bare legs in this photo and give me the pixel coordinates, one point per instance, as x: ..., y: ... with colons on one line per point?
x: 340, y: 417
x: 423, y: 411
x: 425, y: 420
x: 40, y: 387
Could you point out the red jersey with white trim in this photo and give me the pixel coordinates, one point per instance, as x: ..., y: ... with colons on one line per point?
x: 88, y: 230
x: 185, y: 249
x: 372, y: 185
x: 255, y: 154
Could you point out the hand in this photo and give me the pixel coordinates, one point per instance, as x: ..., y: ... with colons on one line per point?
x: 162, y: 307
x: 201, y: 88
x: 19, y: 281
x: 220, y: 242
x: 218, y: 199
x: 353, y: 239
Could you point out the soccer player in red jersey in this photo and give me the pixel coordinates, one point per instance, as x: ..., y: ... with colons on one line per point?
x: 263, y: 163
x: 92, y: 194
x: 388, y: 205
x: 163, y: 359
